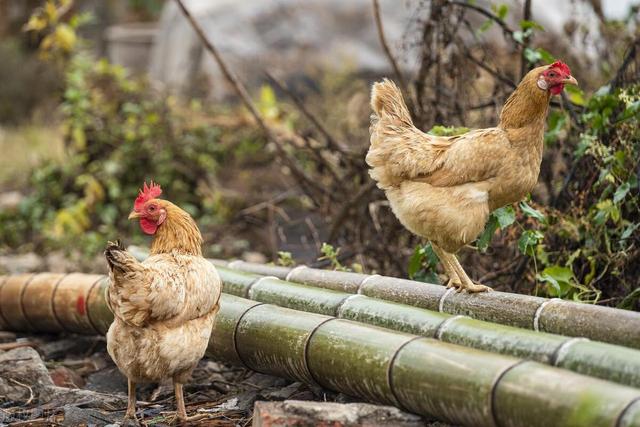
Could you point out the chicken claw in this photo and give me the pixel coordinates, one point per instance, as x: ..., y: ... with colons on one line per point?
x: 454, y: 283
x: 473, y: 288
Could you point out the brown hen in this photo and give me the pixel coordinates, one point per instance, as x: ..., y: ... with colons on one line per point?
x: 165, y: 306
x: 444, y: 188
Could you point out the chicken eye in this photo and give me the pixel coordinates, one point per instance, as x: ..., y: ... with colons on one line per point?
x: 552, y: 74
x: 152, y: 208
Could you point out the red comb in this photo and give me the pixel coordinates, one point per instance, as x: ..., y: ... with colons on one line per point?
x: 564, y: 68
x: 147, y: 192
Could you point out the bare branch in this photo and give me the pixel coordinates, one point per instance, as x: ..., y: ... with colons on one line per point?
x: 385, y: 46
x: 523, y: 60
x: 331, y: 141
x: 505, y: 27
x: 241, y: 91
x: 630, y: 57
x: 344, y: 211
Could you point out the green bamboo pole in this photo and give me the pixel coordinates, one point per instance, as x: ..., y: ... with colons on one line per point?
x: 540, y: 314
x: 601, y: 360
x: 456, y: 384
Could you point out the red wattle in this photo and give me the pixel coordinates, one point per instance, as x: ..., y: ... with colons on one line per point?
x: 557, y: 89
x: 147, y: 226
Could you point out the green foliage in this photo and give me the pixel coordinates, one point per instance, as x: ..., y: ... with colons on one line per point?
x: 331, y: 254
x: 118, y: 133
x: 439, y: 130
x: 422, y: 265
x: 285, y: 259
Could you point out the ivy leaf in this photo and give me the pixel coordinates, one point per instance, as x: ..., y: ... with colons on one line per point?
x: 505, y: 216
x: 531, y: 212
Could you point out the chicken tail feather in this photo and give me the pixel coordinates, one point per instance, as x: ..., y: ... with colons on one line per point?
x: 399, y: 151
x: 118, y: 259
x: 387, y: 101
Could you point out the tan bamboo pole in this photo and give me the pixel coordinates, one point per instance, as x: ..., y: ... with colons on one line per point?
x: 456, y: 384
x: 555, y: 316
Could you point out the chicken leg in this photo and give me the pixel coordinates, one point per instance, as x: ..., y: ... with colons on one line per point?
x: 454, y: 280
x: 131, y: 404
x: 181, y: 411
x: 457, y: 277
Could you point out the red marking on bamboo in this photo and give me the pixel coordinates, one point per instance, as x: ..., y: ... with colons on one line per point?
x: 80, y: 305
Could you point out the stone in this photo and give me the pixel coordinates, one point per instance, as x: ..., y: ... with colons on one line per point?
x: 74, y: 416
x: 60, y: 348
x: 65, y: 377
x: 24, y: 379
x: 23, y: 376
x: 108, y: 380
x: 295, y: 412
x: 6, y: 336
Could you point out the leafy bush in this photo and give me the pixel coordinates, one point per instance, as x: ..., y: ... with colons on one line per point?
x: 118, y: 133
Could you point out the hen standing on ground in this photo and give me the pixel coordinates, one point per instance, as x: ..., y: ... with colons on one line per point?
x: 443, y: 188
x: 164, y: 307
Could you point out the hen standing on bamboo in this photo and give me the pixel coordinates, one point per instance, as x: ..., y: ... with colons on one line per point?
x: 443, y: 188
x: 164, y: 307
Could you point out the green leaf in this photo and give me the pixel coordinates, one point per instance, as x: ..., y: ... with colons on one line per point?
x: 518, y: 36
x: 505, y: 216
x: 529, y: 240
x: 439, y: 130
x: 546, y: 55
x: 531, y: 212
x: 500, y: 11
x: 559, y: 278
x: 415, y: 262
x: 531, y: 55
x: 621, y: 192
x: 485, y: 26
x: 576, y: 95
x: 629, y: 231
x: 489, y: 230
x: 530, y: 25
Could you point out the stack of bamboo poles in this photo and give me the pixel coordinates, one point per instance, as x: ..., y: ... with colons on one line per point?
x: 336, y: 330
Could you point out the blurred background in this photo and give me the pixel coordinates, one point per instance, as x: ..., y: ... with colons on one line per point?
x: 98, y: 96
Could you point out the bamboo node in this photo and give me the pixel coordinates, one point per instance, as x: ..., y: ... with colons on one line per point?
x: 343, y: 303
x: 255, y: 282
x: 364, y: 282
x: 563, y: 349
x: 443, y: 325
x: 233, y: 264
x: 538, y: 313
x: 290, y: 274
x: 443, y: 297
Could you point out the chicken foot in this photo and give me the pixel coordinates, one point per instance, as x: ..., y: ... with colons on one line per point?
x: 181, y: 411
x: 467, y: 284
x: 454, y: 280
x: 457, y: 276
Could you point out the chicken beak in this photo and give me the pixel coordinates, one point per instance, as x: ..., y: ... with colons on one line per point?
x: 133, y: 215
x: 570, y: 81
